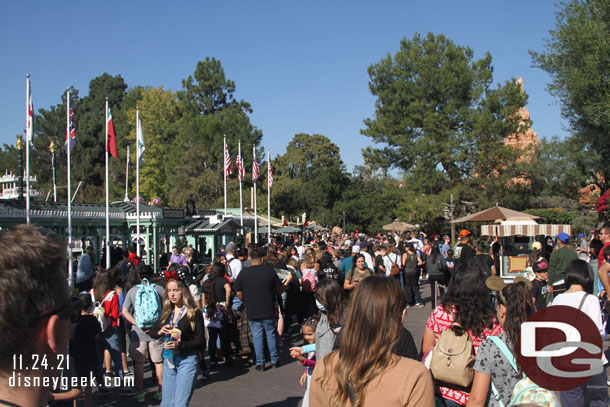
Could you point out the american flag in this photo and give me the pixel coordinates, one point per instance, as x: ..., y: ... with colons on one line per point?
x: 228, y: 169
x: 270, y: 172
x: 241, y: 172
x: 256, y: 174
x: 71, y: 134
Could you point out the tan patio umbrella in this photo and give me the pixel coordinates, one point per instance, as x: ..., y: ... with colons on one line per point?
x: 494, y: 213
x: 398, y: 227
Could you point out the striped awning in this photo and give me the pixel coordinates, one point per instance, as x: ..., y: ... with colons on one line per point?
x: 525, y: 230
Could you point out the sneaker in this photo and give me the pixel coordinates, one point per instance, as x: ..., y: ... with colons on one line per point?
x: 260, y: 368
x: 128, y: 373
x: 276, y: 365
x: 127, y: 392
x: 103, y: 391
x: 140, y: 397
x: 158, y: 395
x: 419, y: 305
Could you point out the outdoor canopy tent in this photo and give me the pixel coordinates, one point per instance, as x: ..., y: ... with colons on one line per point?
x: 492, y: 214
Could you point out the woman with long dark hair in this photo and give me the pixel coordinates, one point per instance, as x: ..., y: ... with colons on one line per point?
x: 365, y: 372
x: 468, y: 303
x: 513, y: 307
x: 411, y: 262
x: 358, y: 273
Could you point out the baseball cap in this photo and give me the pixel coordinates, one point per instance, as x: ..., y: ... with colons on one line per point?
x: 363, y: 244
x: 355, y: 249
x: 540, y: 266
x: 564, y: 237
x: 581, y: 235
x: 464, y: 233
x: 537, y: 245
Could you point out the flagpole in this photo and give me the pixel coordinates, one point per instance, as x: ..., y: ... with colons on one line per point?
x: 137, y: 186
x: 127, y: 176
x: 241, y: 200
x: 28, y: 135
x: 255, y: 182
x: 54, y: 182
x: 107, y: 193
x: 268, y: 197
x: 224, y: 161
x: 68, y: 145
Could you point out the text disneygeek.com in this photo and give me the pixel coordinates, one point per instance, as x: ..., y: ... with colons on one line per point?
x: 65, y: 383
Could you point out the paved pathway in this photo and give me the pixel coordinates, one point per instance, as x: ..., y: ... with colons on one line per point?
x: 244, y: 386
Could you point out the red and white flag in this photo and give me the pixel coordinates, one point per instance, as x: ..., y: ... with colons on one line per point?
x: 241, y: 171
x: 270, y: 174
x: 256, y: 174
x: 111, y: 136
x: 228, y: 169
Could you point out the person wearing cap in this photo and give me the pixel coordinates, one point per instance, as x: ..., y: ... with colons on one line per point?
x: 367, y: 257
x: 463, y: 252
x: 583, y: 248
x: 234, y: 266
x: 560, y: 258
x: 539, y: 290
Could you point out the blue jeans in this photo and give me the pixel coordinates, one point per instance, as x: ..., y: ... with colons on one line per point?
x: 179, y: 381
x: 256, y: 327
x: 108, y: 340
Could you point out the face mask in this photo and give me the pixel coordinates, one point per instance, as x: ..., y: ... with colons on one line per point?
x: 320, y: 306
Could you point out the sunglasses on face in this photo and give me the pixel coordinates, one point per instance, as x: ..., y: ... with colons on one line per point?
x: 70, y: 310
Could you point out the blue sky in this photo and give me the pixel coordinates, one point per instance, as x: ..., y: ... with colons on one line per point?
x: 302, y: 66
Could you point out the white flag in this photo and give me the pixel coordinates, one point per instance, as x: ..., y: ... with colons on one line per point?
x: 29, y: 122
x: 140, y: 142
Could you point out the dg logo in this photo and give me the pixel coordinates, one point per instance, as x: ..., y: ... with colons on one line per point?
x: 560, y: 348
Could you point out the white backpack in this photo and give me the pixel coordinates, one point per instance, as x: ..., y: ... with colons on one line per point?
x: 98, y: 310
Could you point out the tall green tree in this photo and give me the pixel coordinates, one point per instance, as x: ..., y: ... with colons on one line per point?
x: 310, y: 177
x: 577, y: 57
x: 435, y: 111
x: 208, y: 90
x: 88, y: 155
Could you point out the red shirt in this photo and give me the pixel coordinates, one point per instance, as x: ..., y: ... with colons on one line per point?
x: 439, y: 321
x: 600, y: 256
x: 111, y: 307
x: 133, y: 258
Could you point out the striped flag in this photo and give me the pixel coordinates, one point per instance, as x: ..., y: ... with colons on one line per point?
x: 29, y: 131
x: 71, y: 133
x: 111, y: 136
x: 256, y: 174
x: 241, y: 171
x: 228, y: 169
x: 270, y: 174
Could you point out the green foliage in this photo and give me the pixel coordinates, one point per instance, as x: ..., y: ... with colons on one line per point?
x: 209, y: 91
x: 310, y: 177
x: 577, y: 57
x: 435, y: 111
x: 552, y: 215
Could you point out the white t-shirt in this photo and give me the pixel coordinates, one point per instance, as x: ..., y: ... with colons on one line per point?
x: 388, y: 260
x: 590, y: 307
x: 417, y: 244
x: 301, y: 252
x: 234, y: 265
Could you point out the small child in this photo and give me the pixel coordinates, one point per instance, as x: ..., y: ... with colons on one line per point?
x: 83, y: 341
x: 308, y: 357
x: 213, y: 314
x: 539, y: 290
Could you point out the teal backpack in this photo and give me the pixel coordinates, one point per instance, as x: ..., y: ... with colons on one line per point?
x: 526, y: 392
x: 147, y: 307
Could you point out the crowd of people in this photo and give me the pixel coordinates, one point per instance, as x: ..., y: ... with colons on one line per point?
x: 348, y: 295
